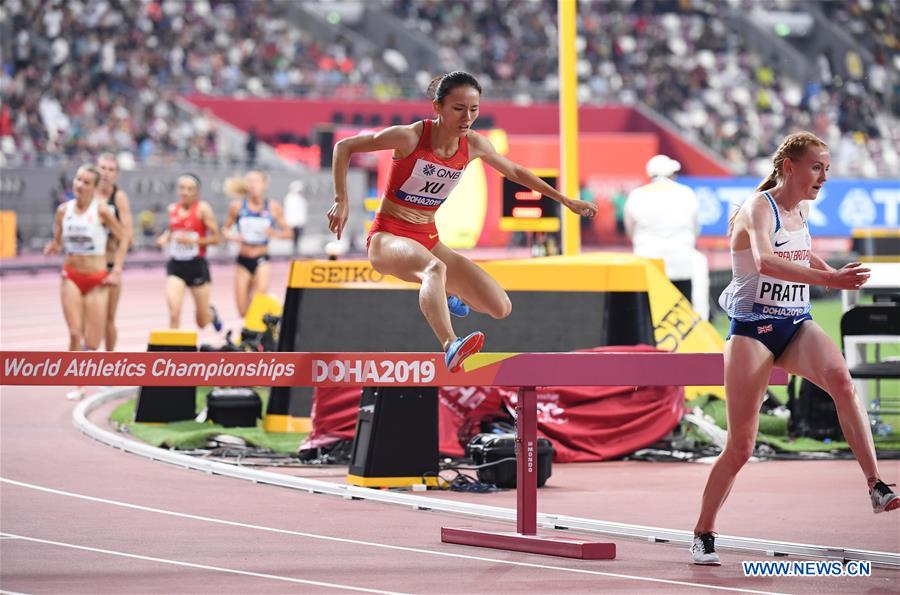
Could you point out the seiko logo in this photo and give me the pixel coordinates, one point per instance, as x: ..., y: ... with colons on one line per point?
x: 676, y: 325
x: 348, y: 274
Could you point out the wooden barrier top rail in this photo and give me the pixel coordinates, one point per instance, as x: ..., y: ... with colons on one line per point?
x: 159, y: 368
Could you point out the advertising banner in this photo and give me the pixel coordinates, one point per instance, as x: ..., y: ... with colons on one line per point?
x: 841, y: 206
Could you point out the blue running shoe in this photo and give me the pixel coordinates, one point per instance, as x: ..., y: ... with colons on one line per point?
x: 457, y: 306
x: 216, y: 321
x: 462, y: 348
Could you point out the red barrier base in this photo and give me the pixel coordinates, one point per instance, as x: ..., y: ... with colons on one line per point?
x: 565, y: 547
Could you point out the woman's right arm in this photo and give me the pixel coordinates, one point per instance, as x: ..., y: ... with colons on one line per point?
x: 212, y: 228
x: 55, y: 245
x: 163, y: 238
x: 228, y: 228
x: 402, y: 139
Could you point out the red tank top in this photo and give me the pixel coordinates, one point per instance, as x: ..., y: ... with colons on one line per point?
x: 422, y: 180
x: 180, y: 222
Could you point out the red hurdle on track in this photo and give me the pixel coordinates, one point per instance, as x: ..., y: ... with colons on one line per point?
x: 523, y: 370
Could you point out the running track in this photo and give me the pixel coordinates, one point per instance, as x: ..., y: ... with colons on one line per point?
x: 77, y: 516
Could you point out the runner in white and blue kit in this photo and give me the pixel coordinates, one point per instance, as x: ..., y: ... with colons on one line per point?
x: 252, y: 221
x: 768, y: 303
x: 764, y: 307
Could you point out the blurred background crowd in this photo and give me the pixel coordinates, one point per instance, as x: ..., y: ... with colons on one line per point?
x: 81, y: 77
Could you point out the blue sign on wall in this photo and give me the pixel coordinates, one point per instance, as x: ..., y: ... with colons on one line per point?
x: 841, y: 206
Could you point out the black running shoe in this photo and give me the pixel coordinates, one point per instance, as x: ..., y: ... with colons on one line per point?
x: 703, y: 549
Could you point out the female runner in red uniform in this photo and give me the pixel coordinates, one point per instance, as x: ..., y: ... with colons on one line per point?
x: 429, y: 159
x: 81, y: 228
x: 192, y: 227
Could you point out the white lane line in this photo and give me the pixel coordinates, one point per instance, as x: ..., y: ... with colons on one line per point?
x: 275, y: 577
x: 371, y: 543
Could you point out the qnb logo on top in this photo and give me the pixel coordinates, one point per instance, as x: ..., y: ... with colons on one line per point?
x: 429, y: 184
x: 367, y: 371
x: 442, y: 173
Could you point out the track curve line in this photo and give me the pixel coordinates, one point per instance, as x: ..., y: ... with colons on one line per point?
x: 81, y: 413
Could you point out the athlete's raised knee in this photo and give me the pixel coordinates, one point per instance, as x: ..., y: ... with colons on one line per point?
x: 436, y: 268
x: 502, y: 308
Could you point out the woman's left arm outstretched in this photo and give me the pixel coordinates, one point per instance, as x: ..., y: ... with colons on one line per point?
x: 482, y: 147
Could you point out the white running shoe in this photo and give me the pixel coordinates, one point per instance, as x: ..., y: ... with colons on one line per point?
x: 76, y: 395
x: 703, y: 550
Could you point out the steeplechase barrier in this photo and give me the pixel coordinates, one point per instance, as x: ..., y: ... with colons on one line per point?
x: 525, y: 371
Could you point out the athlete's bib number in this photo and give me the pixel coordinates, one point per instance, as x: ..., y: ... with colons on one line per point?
x: 429, y: 184
x: 79, y: 244
x: 254, y: 230
x: 78, y: 238
x: 776, y: 297
x: 184, y: 251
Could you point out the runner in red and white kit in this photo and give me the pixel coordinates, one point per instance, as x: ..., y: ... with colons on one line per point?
x: 192, y: 227
x: 81, y: 229
x: 429, y: 159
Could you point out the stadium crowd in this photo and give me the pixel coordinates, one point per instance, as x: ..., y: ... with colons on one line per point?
x: 683, y: 60
x: 80, y: 77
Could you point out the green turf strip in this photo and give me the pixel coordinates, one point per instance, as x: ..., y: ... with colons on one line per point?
x: 773, y: 431
x: 192, y: 434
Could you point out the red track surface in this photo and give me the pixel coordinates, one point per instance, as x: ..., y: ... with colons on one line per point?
x: 296, y: 542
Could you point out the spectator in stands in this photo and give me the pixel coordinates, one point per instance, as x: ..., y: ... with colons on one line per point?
x: 296, y: 209
x: 250, y: 147
x: 618, y: 199
x: 662, y: 220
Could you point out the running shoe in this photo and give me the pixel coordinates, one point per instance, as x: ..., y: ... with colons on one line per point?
x: 462, y: 348
x: 883, y: 497
x: 457, y: 306
x: 703, y: 549
x: 216, y: 321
